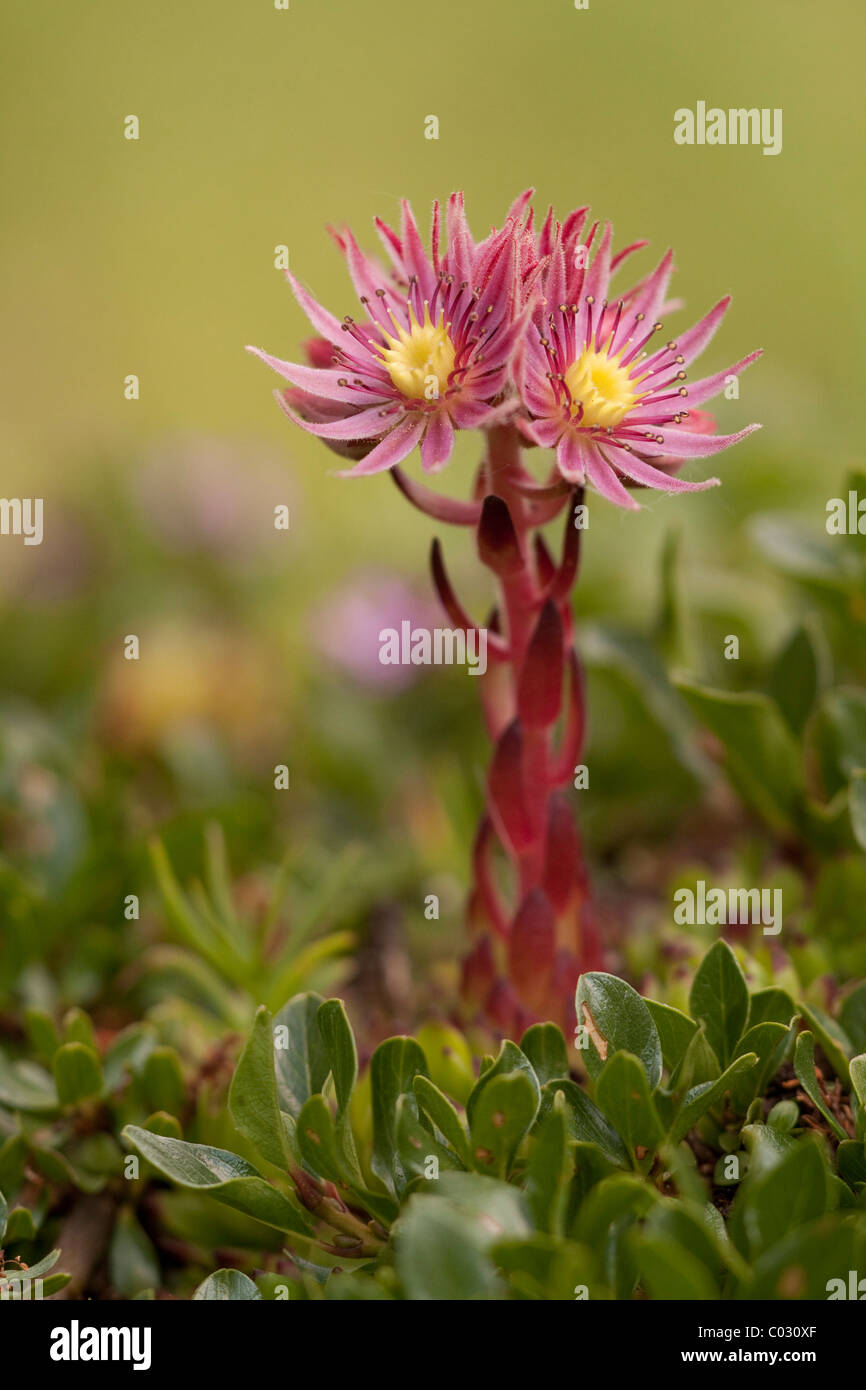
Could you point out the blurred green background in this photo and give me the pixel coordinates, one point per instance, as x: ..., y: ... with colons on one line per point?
x: 156, y: 257
x: 259, y: 126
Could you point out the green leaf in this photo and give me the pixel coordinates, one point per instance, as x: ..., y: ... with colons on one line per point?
x: 616, y: 1018
x: 42, y: 1032
x: 675, y: 1032
x: 699, y: 1064
x: 771, y: 1006
x: 510, y: 1059
x: 545, y: 1047
x: 320, y: 1147
x: 443, y: 1241
x: 133, y: 1265
x: 668, y: 1271
x: 623, y: 1094
x: 228, y: 1284
x: 584, y: 1120
x: 839, y: 736
x: 769, y: 1044
x: 77, y: 1073
x: 804, y: 1066
x: 831, y: 1039
x: 444, y: 1116
x: 26, y: 1086
x: 615, y: 1199
x: 857, y: 805
x: 799, y: 552
x: 20, y: 1226
x: 222, y: 1175
x: 339, y: 1041
x: 700, y: 1099
x: 771, y: 1205
x: 811, y: 1263
x: 416, y: 1145
x: 162, y: 1081
x: 720, y: 999
x: 253, y: 1102
x: 851, y: 1161
x: 393, y: 1068
x: 503, y: 1113
x: 549, y: 1169
x: 797, y: 675
x: 301, y: 1055
x: 762, y: 757
x: 449, y: 1058
x: 852, y: 1017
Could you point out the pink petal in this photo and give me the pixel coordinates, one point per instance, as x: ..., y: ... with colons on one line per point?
x: 365, y: 424
x: 437, y: 443
x: 641, y: 472
x: 318, y: 381
x: 709, y: 386
x: 686, y: 444
x: 692, y: 343
x: 390, y: 450
x: 570, y: 458
x: 605, y: 481
x: 323, y: 322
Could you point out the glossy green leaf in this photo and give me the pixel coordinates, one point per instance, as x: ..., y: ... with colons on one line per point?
x: 804, y: 1066
x: 770, y: 1006
x: 503, y: 1113
x: 584, y: 1120
x: 510, y: 1059
x: 614, y: 1017
x: 222, y: 1175
x: 227, y: 1284
x: 623, y: 1094
x: 700, y: 1099
x: 830, y: 1038
x: 719, y: 998
x: 675, y: 1030
x: 253, y: 1101
x: 545, y: 1047
x: 769, y: 1043
x: 301, y: 1056
x: 439, y: 1109
x: 393, y: 1068
x: 339, y: 1040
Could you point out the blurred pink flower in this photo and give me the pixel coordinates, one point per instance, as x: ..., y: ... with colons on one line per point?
x: 346, y: 628
x: 215, y: 495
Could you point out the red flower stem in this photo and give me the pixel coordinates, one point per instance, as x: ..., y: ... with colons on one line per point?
x: 524, y: 964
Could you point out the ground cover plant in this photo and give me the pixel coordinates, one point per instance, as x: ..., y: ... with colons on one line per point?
x: 556, y: 999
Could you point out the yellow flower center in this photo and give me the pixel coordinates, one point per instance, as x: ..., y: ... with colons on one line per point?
x: 419, y: 360
x: 604, y: 389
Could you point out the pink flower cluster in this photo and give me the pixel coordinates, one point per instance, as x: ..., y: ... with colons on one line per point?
x: 522, y: 327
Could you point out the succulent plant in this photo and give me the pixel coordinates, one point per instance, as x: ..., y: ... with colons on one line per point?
x: 717, y: 1153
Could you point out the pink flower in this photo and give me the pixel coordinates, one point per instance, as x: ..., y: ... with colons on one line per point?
x: 616, y: 410
x: 433, y: 349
